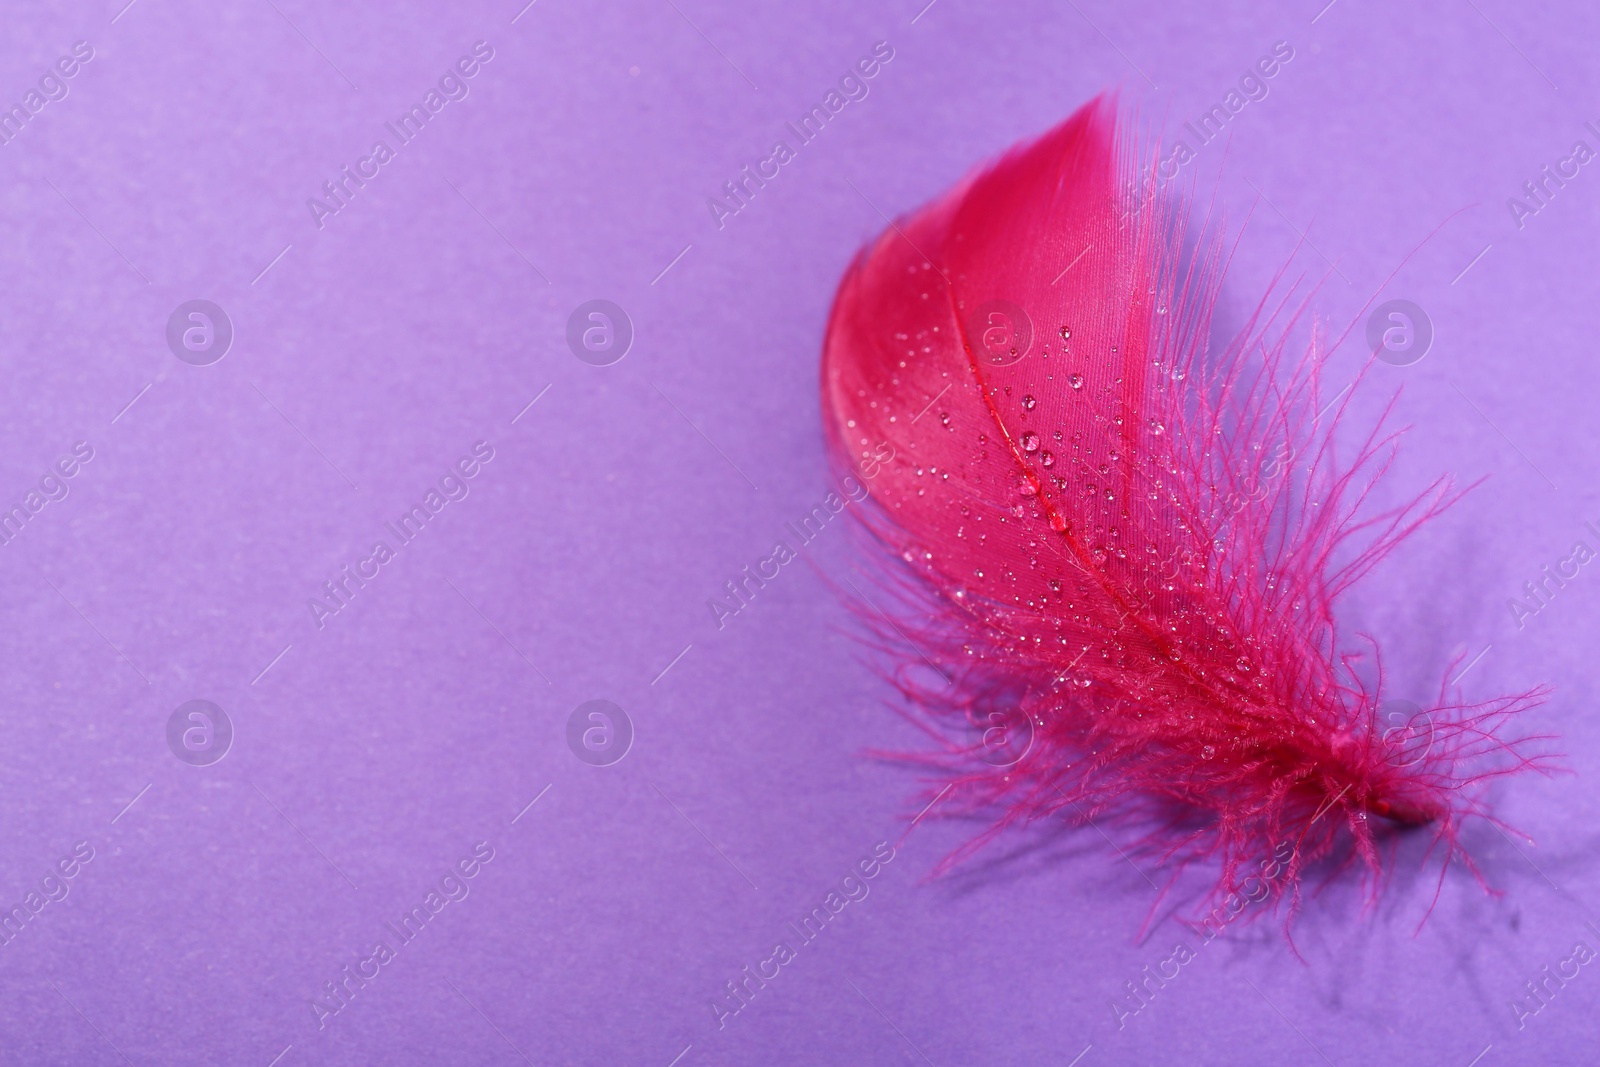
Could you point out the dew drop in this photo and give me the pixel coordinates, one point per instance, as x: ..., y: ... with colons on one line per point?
x: 1075, y: 380
x: 1046, y: 459
x: 1030, y: 441
x: 1066, y: 333
x: 1028, y: 402
x: 1207, y: 752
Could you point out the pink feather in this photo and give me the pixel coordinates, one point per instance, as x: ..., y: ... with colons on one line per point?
x: 1123, y: 549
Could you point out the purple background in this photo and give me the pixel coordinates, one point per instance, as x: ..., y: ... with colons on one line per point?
x: 422, y: 318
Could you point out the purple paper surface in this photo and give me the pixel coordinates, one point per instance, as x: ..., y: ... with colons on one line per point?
x: 383, y: 331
